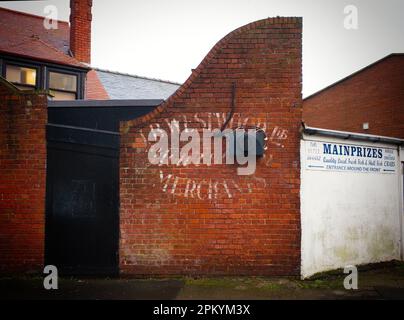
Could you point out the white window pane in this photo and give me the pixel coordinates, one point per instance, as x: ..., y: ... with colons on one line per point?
x: 13, y: 74
x: 62, y: 81
x: 21, y: 75
x: 60, y: 95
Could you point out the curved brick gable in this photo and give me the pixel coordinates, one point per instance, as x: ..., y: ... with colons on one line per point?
x: 200, y: 219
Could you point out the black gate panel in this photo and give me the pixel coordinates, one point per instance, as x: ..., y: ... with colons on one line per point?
x: 82, y: 195
x: 82, y: 220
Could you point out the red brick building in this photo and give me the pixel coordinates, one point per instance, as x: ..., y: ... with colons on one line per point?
x: 368, y: 101
x: 170, y: 219
x: 33, y: 57
x: 78, y: 189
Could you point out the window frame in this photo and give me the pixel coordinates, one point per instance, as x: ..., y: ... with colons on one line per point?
x: 42, y: 69
x: 67, y: 72
x: 22, y: 65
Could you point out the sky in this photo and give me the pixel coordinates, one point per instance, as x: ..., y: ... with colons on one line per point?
x: 166, y: 39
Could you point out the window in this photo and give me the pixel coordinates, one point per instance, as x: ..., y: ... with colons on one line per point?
x: 63, y: 83
x: 22, y: 77
x: 63, y: 86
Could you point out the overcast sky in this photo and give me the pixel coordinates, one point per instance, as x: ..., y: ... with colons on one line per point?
x: 167, y: 38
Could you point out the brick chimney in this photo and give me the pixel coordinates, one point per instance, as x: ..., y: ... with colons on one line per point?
x: 80, y: 29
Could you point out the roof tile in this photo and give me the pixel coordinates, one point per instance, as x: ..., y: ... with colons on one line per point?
x: 24, y: 35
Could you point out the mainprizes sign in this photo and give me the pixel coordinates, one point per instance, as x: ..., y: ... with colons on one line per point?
x: 328, y: 156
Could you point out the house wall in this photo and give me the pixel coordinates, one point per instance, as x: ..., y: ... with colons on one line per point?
x: 22, y: 180
x: 200, y: 219
x: 374, y: 95
x: 348, y: 218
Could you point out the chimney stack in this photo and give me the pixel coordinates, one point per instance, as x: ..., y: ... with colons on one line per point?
x: 80, y: 29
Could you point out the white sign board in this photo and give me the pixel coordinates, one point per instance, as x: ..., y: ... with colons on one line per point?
x: 329, y: 156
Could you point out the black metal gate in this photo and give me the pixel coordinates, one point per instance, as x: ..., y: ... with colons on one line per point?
x: 82, y: 197
x: 82, y: 228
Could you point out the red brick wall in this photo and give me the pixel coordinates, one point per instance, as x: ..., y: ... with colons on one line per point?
x: 22, y: 180
x: 80, y: 29
x: 209, y: 220
x: 375, y: 95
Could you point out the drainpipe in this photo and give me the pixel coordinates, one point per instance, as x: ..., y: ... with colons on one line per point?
x: 401, y: 198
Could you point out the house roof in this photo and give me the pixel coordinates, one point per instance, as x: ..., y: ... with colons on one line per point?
x: 24, y: 34
x: 94, y: 88
x: 354, y: 74
x: 126, y: 86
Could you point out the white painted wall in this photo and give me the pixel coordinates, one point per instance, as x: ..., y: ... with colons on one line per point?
x: 348, y: 217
